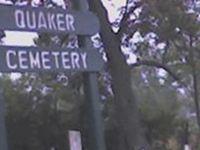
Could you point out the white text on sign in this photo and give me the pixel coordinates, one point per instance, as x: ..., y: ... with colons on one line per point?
x: 40, y: 20
x: 46, y: 60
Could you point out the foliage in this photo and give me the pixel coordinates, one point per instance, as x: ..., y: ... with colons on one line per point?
x: 169, y: 37
x: 34, y: 120
x: 159, y: 107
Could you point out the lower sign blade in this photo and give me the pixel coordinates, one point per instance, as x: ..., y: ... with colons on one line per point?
x: 32, y: 59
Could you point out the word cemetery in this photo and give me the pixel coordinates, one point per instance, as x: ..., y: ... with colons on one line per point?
x: 28, y: 59
x: 25, y: 59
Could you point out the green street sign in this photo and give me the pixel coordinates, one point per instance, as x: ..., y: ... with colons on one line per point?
x: 56, y: 20
x: 32, y: 59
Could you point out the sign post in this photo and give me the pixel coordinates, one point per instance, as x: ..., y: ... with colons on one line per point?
x: 3, y: 138
x: 95, y: 132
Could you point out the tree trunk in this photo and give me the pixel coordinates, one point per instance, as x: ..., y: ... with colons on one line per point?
x: 195, y: 93
x: 127, y: 132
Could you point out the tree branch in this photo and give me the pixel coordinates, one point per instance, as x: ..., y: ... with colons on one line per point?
x: 124, y: 21
x: 152, y: 63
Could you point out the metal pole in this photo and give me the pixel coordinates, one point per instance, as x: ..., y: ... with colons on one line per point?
x: 96, y: 139
x: 95, y: 125
x: 3, y: 138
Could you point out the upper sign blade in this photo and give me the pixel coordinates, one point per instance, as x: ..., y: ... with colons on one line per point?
x: 54, y: 20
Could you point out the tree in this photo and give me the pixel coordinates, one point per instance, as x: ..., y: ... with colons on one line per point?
x: 127, y: 127
x: 159, y: 106
x: 170, y: 25
x: 34, y: 117
x: 173, y: 24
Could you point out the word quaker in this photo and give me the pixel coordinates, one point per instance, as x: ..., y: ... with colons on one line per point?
x: 53, y: 20
x: 40, y: 20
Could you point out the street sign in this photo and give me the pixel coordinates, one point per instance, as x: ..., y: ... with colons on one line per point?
x: 32, y: 59
x: 56, y: 20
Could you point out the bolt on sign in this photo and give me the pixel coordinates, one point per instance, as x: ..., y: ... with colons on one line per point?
x: 34, y: 19
x: 32, y: 59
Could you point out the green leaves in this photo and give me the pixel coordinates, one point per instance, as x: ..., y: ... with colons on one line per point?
x: 34, y: 120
